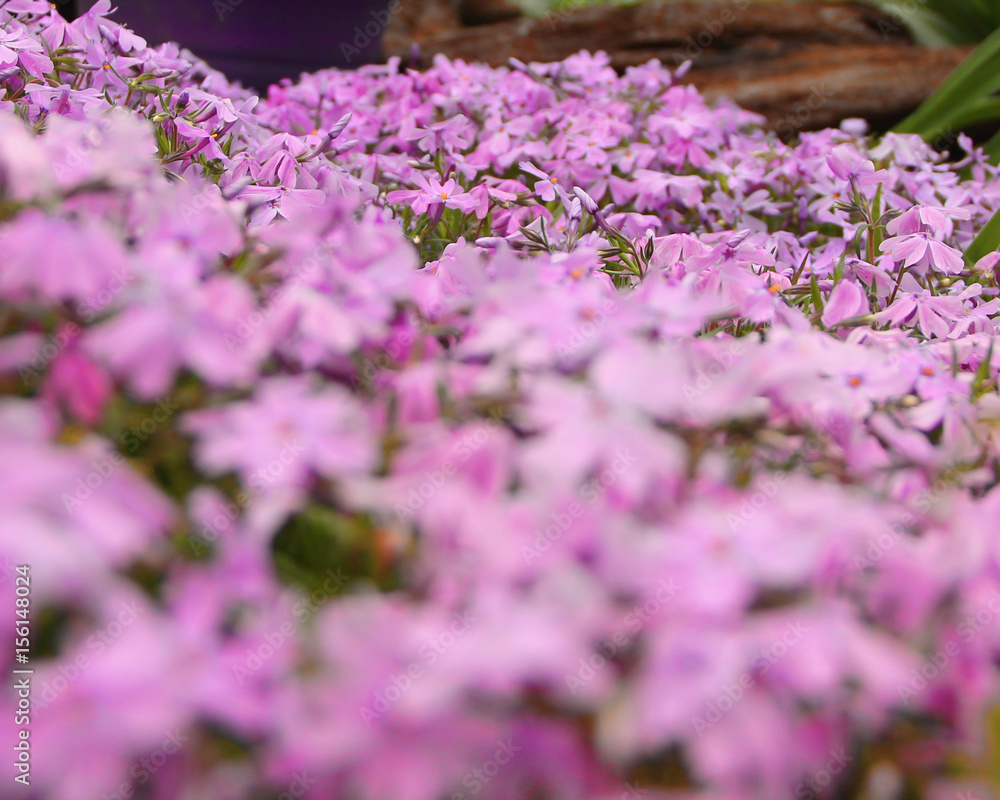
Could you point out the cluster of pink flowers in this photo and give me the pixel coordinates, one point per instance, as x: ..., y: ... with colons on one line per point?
x: 499, y: 433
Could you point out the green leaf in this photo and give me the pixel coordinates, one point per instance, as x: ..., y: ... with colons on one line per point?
x: 817, y: 298
x: 960, y: 95
x: 986, y: 242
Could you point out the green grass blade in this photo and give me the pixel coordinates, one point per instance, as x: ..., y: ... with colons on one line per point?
x: 977, y: 77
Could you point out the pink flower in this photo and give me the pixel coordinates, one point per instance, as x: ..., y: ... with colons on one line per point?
x: 76, y: 382
x: 923, y: 251
x: 433, y: 193
x: 846, y: 163
x: 934, y: 316
x: 58, y: 259
x: 18, y: 48
x: 288, y: 431
x: 935, y: 218
x: 547, y: 186
x: 846, y: 300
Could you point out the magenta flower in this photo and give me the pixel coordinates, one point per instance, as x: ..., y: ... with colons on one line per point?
x: 935, y: 218
x: 58, y: 259
x: 934, y: 316
x: 847, y: 300
x: 847, y: 164
x: 547, y: 186
x: 19, y: 49
x: 285, y: 433
x: 496, y: 518
x: 923, y: 251
x: 77, y: 383
x: 433, y: 193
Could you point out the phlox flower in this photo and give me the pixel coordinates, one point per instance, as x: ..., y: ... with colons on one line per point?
x: 919, y: 218
x: 454, y: 133
x: 177, y: 320
x: 287, y: 431
x: 846, y: 300
x: 847, y: 164
x: 58, y: 259
x: 201, y: 139
x: 433, y: 193
x: 18, y: 48
x: 923, y: 251
x: 654, y: 189
x: 498, y: 131
x: 547, y: 186
x: 933, y: 316
x: 76, y: 382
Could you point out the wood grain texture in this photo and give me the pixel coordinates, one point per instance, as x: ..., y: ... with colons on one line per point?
x: 802, y: 65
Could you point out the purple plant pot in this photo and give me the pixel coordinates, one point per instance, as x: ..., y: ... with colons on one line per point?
x: 259, y: 42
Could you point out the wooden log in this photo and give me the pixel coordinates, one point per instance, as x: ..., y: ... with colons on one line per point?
x: 677, y: 29
x: 820, y: 86
x: 802, y: 65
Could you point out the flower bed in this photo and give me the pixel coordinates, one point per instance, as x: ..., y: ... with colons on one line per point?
x: 529, y: 432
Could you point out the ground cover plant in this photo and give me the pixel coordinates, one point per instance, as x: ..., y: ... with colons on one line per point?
x: 533, y: 432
